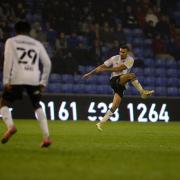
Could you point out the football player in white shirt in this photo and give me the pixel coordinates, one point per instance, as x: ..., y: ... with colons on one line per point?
x: 21, y: 73
x: 120, y: 66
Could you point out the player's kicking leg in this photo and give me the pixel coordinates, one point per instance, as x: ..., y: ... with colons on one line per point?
x: 46, y: 142
x: 98, y: 126
x: 108, y: 114
x: 116, y: 102
x: 146, y: 93
x: 41, y: 117
x: 7, y: 119
x: 7, y: 135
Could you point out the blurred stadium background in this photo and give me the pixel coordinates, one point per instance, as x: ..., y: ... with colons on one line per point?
x: 81, y: 35
x: 78, y: 36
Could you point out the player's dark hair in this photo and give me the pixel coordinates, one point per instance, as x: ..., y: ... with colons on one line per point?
x: 22, y: 27
x: 124, y: 46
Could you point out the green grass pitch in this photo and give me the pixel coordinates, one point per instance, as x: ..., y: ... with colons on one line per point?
x: 123, y: 151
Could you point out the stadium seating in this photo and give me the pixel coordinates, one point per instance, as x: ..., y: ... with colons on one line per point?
x: 172, y: 91
x: 66, y: 88
x: 171, y: 64
x: 137, y: 42
x: 148, y: 72
x: 162, y: 75
x: 137, y: 33
x: 1, y: 86
x: 138, y: 71
x: 149, y: 81
x: 147, y: 43
x: 177, y: 17
x: 172, y: 82
x: 55, y: 78
x: 160, y: 81
x: 78, y: 88
x: 159, y: 63
x: 90, y: 89
x: 77, y: 78
x: 102, y: 79
x: 149, y: 63
x: 54, y: 88
x: 82, y: 69
x: 160, y: 72
x: 160, y: 91
x: 92, y: 80
x: 67, y: 78
x: 147, y: 53
x: 103, y: 89
x: 138, y: 52
x: 171, y: 73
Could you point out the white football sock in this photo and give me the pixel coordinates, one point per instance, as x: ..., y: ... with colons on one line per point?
x: 137, y: 85
x: 41, y: 117
x: 6, y: 116
x: 106, y: 116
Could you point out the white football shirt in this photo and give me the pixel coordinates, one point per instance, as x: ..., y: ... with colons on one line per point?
x: 21, y: 62
x: 116, y: 61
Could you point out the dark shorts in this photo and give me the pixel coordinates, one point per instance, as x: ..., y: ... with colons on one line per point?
x: 115, y: 85
x: 17, y: 93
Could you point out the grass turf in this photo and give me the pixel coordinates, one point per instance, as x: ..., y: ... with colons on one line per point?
x: 123, y: 150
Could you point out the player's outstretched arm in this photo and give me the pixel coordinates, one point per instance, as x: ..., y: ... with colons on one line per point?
x: 97, y: 70
x: 104, y: 68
